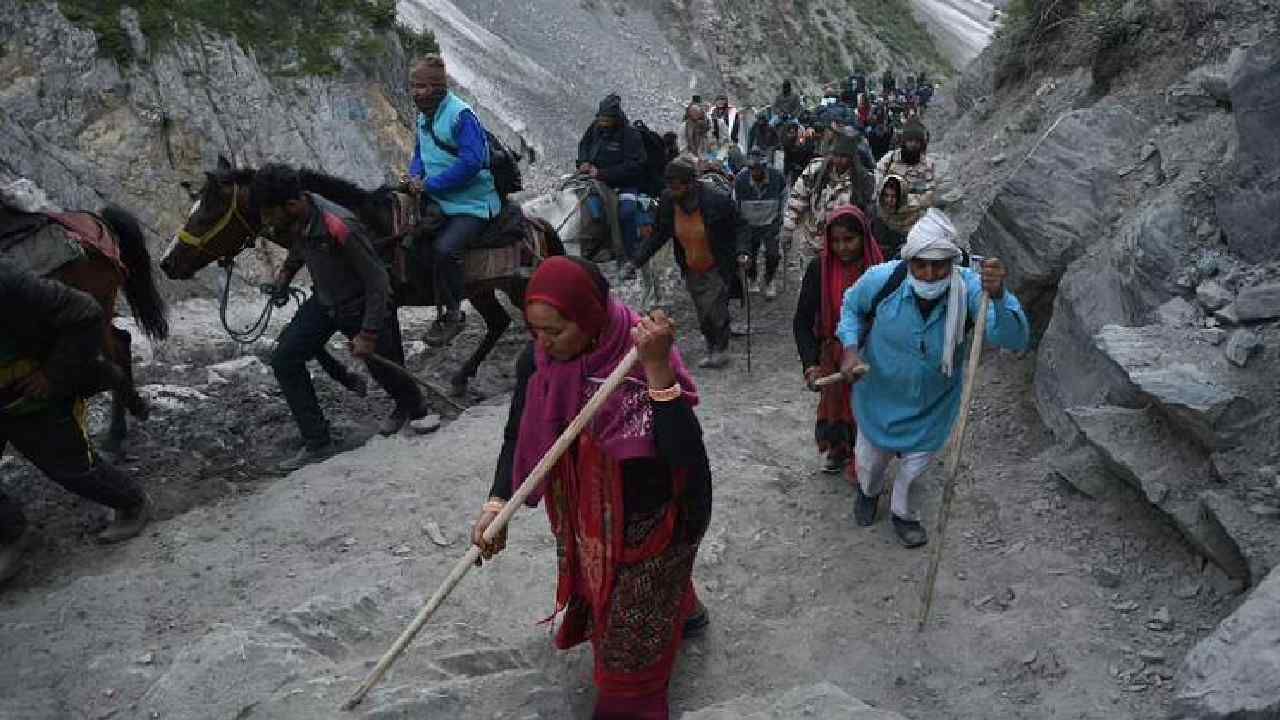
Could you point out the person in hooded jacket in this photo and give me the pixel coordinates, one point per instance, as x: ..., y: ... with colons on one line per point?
x: 891, y: 224
x: 787, y: 104
x: 612, y: 152
x: 850, y: 249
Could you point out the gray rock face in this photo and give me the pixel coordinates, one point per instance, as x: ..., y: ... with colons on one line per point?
x: 1196, y: 398
x: 823, y: 700
x: 1242, y: 346
x: 1178, y: 313
x: 1213, y: 296
x: 1056, y: 205
x: 1258, y: 303
x: 1247, y: 208
x: 1232, y: 673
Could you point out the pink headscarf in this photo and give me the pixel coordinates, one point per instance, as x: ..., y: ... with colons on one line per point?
x: 558, y: 390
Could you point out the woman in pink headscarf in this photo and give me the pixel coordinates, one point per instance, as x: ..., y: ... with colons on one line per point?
x: 629, y: 502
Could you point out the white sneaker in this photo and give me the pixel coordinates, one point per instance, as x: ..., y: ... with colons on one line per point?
x: 754, y: 288
x: 771, y: 290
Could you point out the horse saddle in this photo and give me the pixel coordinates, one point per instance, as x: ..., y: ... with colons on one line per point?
x: 36, y: 243
x: 494, y: 253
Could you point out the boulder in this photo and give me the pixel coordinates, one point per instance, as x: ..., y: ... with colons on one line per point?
x: 823, y: 700
x: 1246, y: 208
x: 1242, y: 346
x: 1213, y: 296
x: 1057, y: 204
x: 1142, y: 449
x: 1185, y: 381
x: 1178, y: 313
x: 1232, y: 673
x: 1258, y: 303
x: 1084, y: 469
x: 242, y: 369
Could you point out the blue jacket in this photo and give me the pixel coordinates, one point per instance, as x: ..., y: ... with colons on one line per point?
x: 905, y: 403
x: 461, y: 182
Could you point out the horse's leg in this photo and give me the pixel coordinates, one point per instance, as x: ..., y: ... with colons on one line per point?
x: 496, y: 321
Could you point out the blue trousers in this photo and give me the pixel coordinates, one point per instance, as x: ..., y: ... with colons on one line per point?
x: 626, y: 217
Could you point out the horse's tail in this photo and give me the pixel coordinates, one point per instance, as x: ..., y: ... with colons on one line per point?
x: 140, y: 285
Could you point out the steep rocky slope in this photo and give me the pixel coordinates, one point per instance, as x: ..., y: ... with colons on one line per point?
x: 1121, y: 157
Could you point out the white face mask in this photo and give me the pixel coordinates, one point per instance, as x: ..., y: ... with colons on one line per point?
x: 930, y: 290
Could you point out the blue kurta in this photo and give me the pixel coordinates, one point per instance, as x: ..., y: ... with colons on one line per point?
x: 905, y: 403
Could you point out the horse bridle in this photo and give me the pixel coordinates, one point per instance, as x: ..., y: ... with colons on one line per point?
x: 198, y: 242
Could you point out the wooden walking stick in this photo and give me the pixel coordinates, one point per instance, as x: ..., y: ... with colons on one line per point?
x: 746, y: 303
x: 952, y: 468
x: 534, y: 480
x: 401, y: 370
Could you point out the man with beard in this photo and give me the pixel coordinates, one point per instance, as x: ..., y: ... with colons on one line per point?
x: 911, y: 163
x: 351, y: 294
x: 450, y: 167
x: 612, y: 152
x: 827, y: 183
x: 709, y: 234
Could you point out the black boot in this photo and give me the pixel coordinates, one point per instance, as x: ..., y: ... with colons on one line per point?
x: 910, y: 532
x: 446, y: 328
x: 864, y: 508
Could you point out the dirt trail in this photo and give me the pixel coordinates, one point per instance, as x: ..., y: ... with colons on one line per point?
x: 267, y: 597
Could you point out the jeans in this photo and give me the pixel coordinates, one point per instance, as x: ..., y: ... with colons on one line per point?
x: 770, y: 238
x: 55, y: 441
x: 450, y: 249
x: 304, y: 336
x: 628, y: 213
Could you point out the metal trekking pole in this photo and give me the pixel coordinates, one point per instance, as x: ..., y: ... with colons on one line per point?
x: 952, y: 467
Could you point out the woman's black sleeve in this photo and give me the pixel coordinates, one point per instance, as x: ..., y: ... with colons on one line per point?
x: 678, y: 435
x: 807, y: 308
x: 506, y: 459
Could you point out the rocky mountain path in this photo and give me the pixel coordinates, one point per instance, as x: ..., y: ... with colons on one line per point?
x: 269, y: 597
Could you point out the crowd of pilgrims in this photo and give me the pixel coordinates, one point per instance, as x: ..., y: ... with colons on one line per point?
x: 883, y: 316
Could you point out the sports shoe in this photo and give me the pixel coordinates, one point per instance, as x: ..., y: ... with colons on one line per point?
x: 445, y: 329
x: 739, y: 329
x: 696, y: 625
x: 834, y: 464
x: 308, y: 456
x: 864, y: 508
x: 127, y: 523
x: 771, y: 290
x: 401, y: 415
x: 714, y: 360
x: 910, y: 532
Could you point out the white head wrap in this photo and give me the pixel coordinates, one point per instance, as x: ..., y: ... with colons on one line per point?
x: 934, y: 238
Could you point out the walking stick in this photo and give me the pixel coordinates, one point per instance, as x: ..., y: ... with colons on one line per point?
x: 746, y: 302
x: 400, y: 370
x: 952, y: 467
x: 534, y: 480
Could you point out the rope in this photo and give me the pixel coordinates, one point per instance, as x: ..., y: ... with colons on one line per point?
x: 258, y: 328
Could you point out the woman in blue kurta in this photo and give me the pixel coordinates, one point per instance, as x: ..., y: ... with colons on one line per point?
x: 907, y: 354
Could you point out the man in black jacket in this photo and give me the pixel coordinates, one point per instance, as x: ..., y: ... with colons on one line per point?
x: 612, y: 152
x: 760, y: 193
x: 709, y: 235
x: 351, y: 295
x: 50, y: 340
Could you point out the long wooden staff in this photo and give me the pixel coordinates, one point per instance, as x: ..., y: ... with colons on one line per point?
x: 952, y: 467
x: 532, y: 482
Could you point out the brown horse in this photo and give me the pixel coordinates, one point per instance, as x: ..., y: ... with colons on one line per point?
x: 102, y: 277
x: 224, y: 222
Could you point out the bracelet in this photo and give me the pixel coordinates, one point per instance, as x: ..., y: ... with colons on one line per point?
x: 667, y: 395
x: 494, y: 506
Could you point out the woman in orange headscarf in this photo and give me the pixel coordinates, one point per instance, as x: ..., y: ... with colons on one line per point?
x: 849, y: 248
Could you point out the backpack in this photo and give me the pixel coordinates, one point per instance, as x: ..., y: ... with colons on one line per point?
x: 655, y: 151
x: 503, y: 163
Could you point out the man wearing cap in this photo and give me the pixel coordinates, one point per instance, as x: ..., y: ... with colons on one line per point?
x: 828, y: 182
x: 903, y: 326
x: 612, y: 153
x: 709, y: 235
x: 760, y: 191
x: 912, y: 163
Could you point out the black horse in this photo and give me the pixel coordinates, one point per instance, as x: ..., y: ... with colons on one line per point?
x: 225, y: 221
